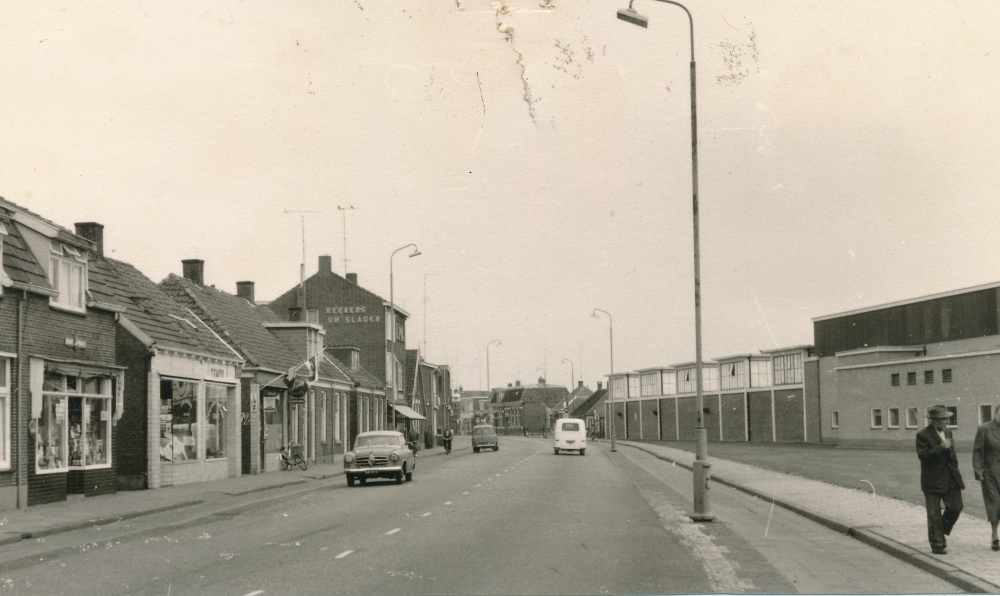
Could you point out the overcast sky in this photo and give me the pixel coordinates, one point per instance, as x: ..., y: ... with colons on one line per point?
x: 537, y: 152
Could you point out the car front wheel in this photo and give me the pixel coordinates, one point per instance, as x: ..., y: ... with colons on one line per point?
x: 350, y: 481
x: 475, y: 449
x: 557, y: 450
x: 408, y: 474
x: 496, y: 448
x: 583, y: 452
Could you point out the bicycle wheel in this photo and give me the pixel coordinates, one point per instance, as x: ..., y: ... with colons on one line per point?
x: 300, y: 462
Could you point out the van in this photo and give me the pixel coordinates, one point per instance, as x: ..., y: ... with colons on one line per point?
x: 571, y: 435
x: 484, y: 436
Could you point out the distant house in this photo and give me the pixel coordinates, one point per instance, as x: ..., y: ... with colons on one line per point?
x: 428, y: 392
x: 579, y: 395
x: 525, y: 408
x: 591, y: 410
x: 472, y: 407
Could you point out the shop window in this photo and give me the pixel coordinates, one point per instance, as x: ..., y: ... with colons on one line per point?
x: 178, y: 420
x: 5, y: 366
x: 876, y: 418
x: 928, y: 377
x: 911, y: 378
x: 911, y: 418
x: 946, y: 375
x: 835, y: 419
x: 894, y: 379
x: 74, y: 429
x: 985, y: 413
x: 893, y: 418
x: 218, y: 403
x: 68, y: 275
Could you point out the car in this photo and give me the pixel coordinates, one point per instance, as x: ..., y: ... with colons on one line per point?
x: 379, y: 454
x: 484, y: 436
x: 570, y: 435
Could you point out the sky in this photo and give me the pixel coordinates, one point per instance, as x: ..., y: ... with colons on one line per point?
x: 538, y: 153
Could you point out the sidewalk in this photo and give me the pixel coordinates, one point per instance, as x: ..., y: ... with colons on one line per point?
x: 44, y: 520
x: 893, y: 526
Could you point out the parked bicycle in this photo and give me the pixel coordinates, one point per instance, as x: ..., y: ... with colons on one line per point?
x: 291, y: 458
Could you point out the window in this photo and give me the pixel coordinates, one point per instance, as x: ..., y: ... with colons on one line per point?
x: 893, y: 417
x: 336, y: 417
x: 894, y: 380
x: 68, y: 275
x: 946, y: 375
x: 618, y: 388
x: 835, y: 419
x: 178, y: 420
x: 911, y: 378
x: 928, y: 377
x: 633, y: 386
x: 649, y: 384
x: 760, y: 373
x: 218, y: 400
x: 876, y: 417
x: 322, y: 416
x: 4, y: 406
x: 685, y: 381
x: 668, y: 381
x: 911, y: 418
x: 953, y: 421
x: 985, y: 413
x: 733, y: 375
x: 710, y: 378
x: 75, y: 427
x: 788, y: 369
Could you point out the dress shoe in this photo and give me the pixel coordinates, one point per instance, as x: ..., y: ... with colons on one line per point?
x: 939, y: 551
x: 996, y: 545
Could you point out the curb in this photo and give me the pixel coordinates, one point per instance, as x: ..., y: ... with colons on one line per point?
x: 907, y: 554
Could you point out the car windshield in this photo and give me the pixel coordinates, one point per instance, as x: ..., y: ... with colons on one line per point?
x: 571, y: 426
x: 377, y: 441
x: 482, y: 431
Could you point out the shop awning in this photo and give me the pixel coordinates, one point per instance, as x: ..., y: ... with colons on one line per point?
x: 407, y: 412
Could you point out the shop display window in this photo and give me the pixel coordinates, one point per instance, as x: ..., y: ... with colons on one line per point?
x: 74, y: 429
x: 218, y: 403
x: 178, y: 420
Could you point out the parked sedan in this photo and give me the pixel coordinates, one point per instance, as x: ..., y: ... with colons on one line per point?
x: 379, y: 454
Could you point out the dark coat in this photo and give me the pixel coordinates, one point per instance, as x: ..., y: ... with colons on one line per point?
x: 938, y: 466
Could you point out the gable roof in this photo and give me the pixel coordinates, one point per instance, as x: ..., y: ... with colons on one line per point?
x: 588, y: 406
x: 359, y: 376
x: 239, y: 323
x: 18, y: 261
x: 158, y: 316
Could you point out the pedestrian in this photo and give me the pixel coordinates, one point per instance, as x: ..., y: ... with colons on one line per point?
x: 940, y: 479
x: 986, y: 464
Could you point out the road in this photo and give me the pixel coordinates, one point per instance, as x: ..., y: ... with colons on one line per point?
x: 518, y: 521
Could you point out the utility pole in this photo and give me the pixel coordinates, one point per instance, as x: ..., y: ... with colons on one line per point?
x: 345, y: 210
x: 302, y: 267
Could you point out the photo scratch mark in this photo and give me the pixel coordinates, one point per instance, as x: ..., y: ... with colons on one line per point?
x: 727, y: 22
x: 501, y: 9
x: 871, y: 485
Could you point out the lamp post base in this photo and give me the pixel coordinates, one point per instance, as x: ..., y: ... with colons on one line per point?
x: 702, y: 504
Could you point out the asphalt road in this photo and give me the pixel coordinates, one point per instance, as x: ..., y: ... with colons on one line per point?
x: 518, y: 521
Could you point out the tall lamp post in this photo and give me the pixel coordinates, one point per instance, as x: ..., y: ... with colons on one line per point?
x: 392, y: 327
x: 572, y: 374
x: 497, y: 342
x: 611, y: 405
x: 702, y: 507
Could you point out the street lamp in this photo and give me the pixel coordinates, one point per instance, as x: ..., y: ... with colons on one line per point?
x: 701, y: 467
x: 497, y: 342
x: 392, y: 327
x: 611, y: 405
x: 572, y: 374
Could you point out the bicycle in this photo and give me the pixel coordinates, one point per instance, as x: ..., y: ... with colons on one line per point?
x: 291, y: 458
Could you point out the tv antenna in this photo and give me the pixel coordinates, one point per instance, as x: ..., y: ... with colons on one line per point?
x: 345, y: 210
x: 302, y: 267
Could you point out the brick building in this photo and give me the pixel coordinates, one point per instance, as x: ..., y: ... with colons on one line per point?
x: 60, y: 390
x: 428, y: 395
x: 525, y: 408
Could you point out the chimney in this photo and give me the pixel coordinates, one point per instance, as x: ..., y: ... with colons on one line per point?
x: 579, y: 384
x: 353, y: 278
x: 94, y: 232
x: 598, y: 385
x: 541, y: 380
x: 194, y: 270
x: 295, y: 313
x: 517, y: 383
x: 244, y: 289
x: 324, y: 264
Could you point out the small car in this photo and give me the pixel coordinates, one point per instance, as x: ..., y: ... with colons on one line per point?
x: 484, y: 436
x: 379, y: 454
x: 570, y: 435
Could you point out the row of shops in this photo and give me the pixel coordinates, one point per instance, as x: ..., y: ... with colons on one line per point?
x: 109, y: 381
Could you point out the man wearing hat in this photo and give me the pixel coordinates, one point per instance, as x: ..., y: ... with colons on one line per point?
x: 939, y: 477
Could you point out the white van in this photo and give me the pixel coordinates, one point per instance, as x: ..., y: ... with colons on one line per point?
x: 571, y: 435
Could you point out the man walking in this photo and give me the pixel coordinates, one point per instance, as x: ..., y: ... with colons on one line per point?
x: 939, y: 477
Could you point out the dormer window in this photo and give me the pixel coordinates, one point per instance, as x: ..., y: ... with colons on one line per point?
x: 4, y: 280
x: 68, y: 276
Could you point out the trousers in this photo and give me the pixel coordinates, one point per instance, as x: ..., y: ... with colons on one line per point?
x: 939, y: 525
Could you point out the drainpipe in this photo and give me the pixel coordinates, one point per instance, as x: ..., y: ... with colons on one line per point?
x: 20, y: 394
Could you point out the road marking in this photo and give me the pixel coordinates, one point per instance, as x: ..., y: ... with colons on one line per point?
x: 448, y: 503
x: 426, y: 514
x: 478, y: 485
x: 392, y: 531
x: 340, y: 556
x: 255, y: 593
x: 465, y: 493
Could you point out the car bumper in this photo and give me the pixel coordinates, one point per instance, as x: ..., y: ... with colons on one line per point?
x: 379, y: 472
x: 571, y: 445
